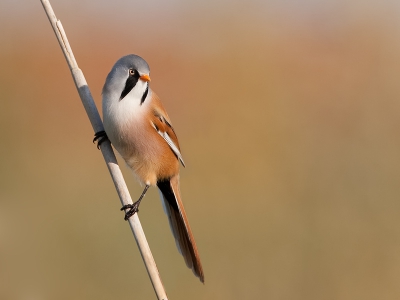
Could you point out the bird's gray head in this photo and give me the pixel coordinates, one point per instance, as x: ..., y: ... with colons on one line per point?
x: 129, y: 74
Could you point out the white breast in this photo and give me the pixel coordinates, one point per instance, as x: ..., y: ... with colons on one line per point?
x: 124, y: 120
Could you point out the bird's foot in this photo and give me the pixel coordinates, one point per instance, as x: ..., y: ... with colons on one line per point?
x: 133, y: 209
x: 100, y: 137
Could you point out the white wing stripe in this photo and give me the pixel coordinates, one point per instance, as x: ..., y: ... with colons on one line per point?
x: 174, y: 148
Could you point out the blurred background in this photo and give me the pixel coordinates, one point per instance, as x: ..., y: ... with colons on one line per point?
x: 288, y: 118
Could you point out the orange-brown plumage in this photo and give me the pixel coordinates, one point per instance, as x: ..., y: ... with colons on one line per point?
x: 181, y: 230
x: 140, y: 130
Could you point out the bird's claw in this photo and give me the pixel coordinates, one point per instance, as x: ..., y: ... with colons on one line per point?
x: 100, y: 137
x: 133, y: 209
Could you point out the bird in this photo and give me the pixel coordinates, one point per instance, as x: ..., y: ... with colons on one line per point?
x: 138, y: 126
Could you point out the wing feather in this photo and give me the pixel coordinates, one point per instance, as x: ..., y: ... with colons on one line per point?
x: 165, y: 130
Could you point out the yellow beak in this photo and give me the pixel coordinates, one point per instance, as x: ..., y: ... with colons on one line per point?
x: 145, y: 77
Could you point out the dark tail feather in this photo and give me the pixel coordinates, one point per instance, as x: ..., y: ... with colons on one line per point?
x: 173, y: 207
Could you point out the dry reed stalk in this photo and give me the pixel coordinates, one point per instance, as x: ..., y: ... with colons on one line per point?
x: 106, y: 150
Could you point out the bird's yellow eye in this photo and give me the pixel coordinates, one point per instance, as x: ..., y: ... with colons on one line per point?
x: 131, y: 72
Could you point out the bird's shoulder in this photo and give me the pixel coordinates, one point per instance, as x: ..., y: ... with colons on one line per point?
x: 161, y: 119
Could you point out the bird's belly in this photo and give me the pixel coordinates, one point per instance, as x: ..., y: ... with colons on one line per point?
x: 143, y: 149
x: 149, y: 156
x: 143, y: 166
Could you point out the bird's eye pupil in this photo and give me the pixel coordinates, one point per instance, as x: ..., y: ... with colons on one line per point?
x: 131, y: 72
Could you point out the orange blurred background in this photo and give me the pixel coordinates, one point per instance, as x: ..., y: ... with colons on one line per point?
x: 288, y: 118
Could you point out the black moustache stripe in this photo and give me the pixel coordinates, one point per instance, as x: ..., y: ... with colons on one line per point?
x: 144, y: 94
x: 129, y: 85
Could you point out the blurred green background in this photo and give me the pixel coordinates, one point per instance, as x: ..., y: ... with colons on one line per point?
x: 288, y: 118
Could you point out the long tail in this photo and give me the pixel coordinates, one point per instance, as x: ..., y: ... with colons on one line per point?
x: 173, y: 207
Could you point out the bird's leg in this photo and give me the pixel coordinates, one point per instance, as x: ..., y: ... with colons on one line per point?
x: 100, y: 137
x: 134, y: 208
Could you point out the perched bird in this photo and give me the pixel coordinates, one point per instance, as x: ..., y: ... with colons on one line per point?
x: 139, y: 128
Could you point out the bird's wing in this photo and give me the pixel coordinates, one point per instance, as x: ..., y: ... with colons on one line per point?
x: 161, y: 123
